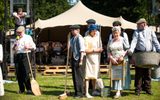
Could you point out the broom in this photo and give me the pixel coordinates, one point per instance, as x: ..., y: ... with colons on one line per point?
x: 64, y: 95
x: 34, y: 85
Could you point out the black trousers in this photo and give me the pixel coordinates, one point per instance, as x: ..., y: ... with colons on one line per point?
x: 77, y: 75
x: 142, y: 79
x: 22, y: 71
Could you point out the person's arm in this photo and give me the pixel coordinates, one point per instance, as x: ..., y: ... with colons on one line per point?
x: 111, y: 58
x: 87, y: 50
x: 125, y: 41
x: 31, y: 45
x: 1, y: 53
x: 82, y: 49
x: 15, y: 15
x: 134, y: 42
x: 155, y: 41
x: 24, y: 14
x: 110, y: 37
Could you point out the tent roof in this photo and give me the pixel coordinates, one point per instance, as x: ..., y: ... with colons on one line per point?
x: 78, y: 14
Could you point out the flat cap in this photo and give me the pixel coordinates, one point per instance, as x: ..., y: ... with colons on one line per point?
x: 75, y: 26
x: 141, y: 20
x: 92, y: 21
x: 92, y: 27
x: 116, y: 23
x: 20, y: 29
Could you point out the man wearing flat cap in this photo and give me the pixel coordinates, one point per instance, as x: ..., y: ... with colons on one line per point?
x: 77, y: 49
x: 23, y: 45
x: 143, y: 40
x: 90, y: 22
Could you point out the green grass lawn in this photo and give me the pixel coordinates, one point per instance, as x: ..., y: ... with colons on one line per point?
x: 53, y: 86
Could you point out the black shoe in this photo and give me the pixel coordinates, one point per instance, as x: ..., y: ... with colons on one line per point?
x: 143, y: 89
x: 137, y: 93
x: 78, y: 96
x: 29, y: 92
x: 149, y: 92
x: 20, y: 92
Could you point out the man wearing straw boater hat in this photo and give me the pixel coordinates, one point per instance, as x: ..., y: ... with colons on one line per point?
x: 77, y: 49
x: 23, y: 45
x: 144, y: 39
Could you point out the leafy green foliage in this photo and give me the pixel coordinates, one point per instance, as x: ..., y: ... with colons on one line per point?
x: 1, y: 14
x: 45, y: 9
x: 131, y: 10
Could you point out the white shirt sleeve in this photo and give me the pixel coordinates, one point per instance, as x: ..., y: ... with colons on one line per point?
x: 14, y: 14
x: 33, y: 45
x: 134, y: 41
x: 1, y: 53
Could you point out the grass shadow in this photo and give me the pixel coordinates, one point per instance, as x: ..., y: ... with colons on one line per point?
x: 10, y: 91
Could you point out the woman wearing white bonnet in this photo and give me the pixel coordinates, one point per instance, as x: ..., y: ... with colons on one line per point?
x: 116, y: 28
x: 116, y: 53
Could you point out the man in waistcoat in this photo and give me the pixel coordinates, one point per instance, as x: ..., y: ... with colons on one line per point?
x: 77, y: 49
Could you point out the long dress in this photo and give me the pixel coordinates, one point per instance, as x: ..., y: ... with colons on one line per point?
x: 116, y: 48
x: 92, y: 59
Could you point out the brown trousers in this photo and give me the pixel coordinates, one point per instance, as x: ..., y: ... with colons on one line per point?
x: 142, y: 79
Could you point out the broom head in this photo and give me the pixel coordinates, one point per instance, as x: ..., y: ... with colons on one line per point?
x: 35, y: 87
x: 62, y: 96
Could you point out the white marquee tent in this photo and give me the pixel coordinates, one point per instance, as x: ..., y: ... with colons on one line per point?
x: 78, y: 14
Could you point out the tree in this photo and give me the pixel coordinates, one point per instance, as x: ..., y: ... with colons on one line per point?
x: 1, y: 14
x: 131, y: 10
x: 49, y: 8
x: 43, y: 9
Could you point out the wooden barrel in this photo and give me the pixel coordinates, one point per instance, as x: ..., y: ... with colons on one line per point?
x: 146, y: 59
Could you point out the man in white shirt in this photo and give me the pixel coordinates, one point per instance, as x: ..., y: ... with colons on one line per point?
x: 23, y: 45
x: 1, y: 76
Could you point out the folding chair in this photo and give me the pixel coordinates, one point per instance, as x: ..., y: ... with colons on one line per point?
x: 117, y: 72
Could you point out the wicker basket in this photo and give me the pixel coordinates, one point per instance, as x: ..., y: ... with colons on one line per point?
x: 146, y: 59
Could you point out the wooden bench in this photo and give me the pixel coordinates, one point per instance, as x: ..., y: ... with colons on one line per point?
x: 51, y: 70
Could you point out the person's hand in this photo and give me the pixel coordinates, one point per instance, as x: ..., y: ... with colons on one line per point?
x: 27, y: 47
x: 120, y: 59
x: 113, y: 61
x: 81, y: 62
x: 129, y: 52
x: 98, y: 50
x: 0, y: 61
x: 15, y: 47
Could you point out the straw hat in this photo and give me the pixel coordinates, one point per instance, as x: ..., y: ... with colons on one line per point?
x: 141, y: 20
x: 20, y: 29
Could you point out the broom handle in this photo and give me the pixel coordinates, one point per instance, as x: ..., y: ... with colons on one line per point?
x: 29, y: 65
x: 68, y: 49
